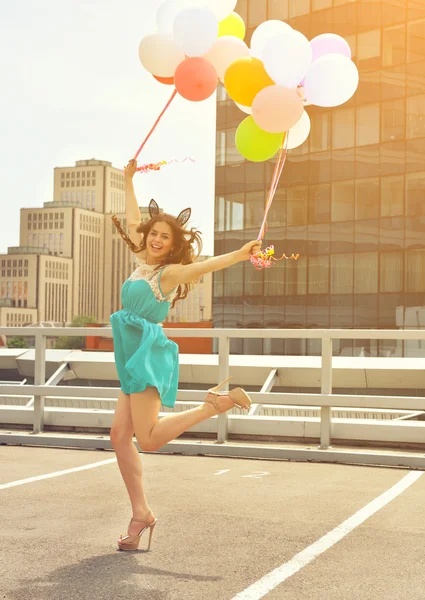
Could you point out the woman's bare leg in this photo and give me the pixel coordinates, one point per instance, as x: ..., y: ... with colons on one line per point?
x: 151, y: 432
x: 129, y: 459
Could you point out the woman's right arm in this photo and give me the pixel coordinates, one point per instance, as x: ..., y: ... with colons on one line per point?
x: 131, y: 205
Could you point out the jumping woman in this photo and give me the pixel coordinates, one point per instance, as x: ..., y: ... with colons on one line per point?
x: 146, y: 360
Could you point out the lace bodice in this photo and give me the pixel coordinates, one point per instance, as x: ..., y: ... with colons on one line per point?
x: 151, y: 274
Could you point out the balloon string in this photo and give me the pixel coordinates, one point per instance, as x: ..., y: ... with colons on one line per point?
x: 280, y: 163
x: 173, y: 95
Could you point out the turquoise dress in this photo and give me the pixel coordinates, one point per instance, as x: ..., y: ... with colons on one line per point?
x: 144, y: 356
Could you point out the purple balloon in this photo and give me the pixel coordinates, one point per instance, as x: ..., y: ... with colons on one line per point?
x: 329, y: 43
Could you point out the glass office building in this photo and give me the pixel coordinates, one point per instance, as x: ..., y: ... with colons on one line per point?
x: 351, y: 200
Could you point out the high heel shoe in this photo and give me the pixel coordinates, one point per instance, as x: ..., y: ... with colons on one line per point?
x: 238, y: 396
x: 131, y: 542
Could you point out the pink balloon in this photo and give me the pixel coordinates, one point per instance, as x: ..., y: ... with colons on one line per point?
x: 195, y: 79
x: 226, y: 50
x: 276, y: 109
x: 329, y: 43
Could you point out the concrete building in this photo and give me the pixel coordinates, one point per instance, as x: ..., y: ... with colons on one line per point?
x: 71, y: 260
x: 351, y: 200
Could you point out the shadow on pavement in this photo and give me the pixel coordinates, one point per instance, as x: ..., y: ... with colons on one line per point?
x: 106, y: 577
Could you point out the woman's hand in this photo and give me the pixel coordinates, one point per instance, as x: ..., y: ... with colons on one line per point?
x: 250, y: 248
x: 130, y: 169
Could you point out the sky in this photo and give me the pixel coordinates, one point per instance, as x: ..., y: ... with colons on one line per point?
x: 73, y: 88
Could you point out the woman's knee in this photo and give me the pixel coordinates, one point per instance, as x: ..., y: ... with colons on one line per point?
x: 146, y: 444
x: 121, y: 435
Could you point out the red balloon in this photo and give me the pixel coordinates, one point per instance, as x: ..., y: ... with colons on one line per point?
x: 166, y: 80
x: 195, y: 79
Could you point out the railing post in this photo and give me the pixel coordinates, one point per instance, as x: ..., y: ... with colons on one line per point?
x: 223, y: 373
x: 39, y: 379
x: 326, y: 388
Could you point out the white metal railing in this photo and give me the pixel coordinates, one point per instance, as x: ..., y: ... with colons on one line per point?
x: 325, y: 400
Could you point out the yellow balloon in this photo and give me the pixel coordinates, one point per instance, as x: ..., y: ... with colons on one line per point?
x: 232, y: 25
x: 245, y: 78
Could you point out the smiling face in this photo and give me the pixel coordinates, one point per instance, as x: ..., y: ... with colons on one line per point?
x: 159, y: 242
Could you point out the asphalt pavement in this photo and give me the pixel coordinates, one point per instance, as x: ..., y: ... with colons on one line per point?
x: 227, y: 527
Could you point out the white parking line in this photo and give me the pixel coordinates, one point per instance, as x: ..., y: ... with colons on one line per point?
x: 5, y: 486
x: 270, y: 581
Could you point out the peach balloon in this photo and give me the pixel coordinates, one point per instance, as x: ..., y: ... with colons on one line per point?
x: 166, y: 80
x: 276, y: 109
x: 195, y: 79
x: 226, y: 50
x: 245, y: 78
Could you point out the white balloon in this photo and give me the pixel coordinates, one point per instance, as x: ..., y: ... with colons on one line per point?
x: 287, y: 58
x: 221, y: 8
x: 160, y: 55
x: 245, y: 109
x: 166, y: 14
x: 299, y: 133
x: 195, y: 30
x: 331, y: 80
x: 264, y: 33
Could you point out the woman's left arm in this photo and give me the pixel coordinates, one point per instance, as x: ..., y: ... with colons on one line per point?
x: 175, y: 275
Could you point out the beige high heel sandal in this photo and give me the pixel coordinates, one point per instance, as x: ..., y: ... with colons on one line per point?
x: 239, y: 397
x: 131, y: 542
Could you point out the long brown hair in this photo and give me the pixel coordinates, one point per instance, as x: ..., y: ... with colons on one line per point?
x: 184, y: 241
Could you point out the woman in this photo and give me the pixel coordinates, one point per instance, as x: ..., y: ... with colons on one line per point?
x: 147, y: 362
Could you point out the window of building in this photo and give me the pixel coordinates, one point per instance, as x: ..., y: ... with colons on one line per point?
x: 415, y: 126
x: 319, y: 203
x: 73, y: 175
x: 415, y: 271
x: 67, y: 175
x: 320, y: 4
x: 320, y: 136
x: 368, y: 124
x: 416, y: 42
x: 62, y: 175
x: 367, y: 198
x: 392, y: 120
x: 343, y: 135
x: 391, y: 271
x: 318, y: 274
x: 366, y: 273
x: 279, y: 9
x: 369, y: 49
x: 297, y: 205
x: 415, y: 193
x: 257, y: 12
x: 392, y: 196
x: 297, y: 8
x: 254, y: 208
x: 394, y: 46
x: 342, y: 201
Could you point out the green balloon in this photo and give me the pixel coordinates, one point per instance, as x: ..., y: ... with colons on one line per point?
x: 254, y: 143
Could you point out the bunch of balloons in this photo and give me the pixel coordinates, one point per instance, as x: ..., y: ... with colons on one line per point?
x: 195, y: 43
x: 200, y: 42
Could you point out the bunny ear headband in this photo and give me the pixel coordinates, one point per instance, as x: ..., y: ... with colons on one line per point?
x: 182, y: 219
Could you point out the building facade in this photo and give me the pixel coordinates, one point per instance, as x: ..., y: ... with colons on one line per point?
x: 71, y: 260
x: 351, y: 200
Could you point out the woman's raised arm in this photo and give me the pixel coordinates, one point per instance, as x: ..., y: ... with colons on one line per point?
x: 132, y: 210
x: 175, y: 275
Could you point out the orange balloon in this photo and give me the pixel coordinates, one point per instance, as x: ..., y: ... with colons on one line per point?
x: 166, y: 80
x: 245, y: 78
x: 195, y: 79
